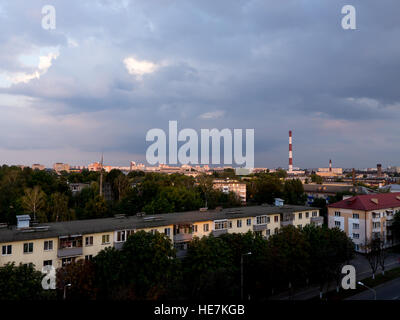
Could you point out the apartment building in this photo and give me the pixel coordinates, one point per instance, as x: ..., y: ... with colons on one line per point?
x: 60, y: 167
x: 38, y: 166
x: 60, y: 243
x: 226, y: 186
x: 365, y: 217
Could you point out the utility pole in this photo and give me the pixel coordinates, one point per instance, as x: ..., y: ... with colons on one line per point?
x: 241, y: 273
x: 101, y: 175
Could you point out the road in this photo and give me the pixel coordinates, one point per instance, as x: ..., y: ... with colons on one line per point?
x: 386, y: 291
x: 363, y: 271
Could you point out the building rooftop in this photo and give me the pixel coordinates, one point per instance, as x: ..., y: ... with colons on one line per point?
x: 331, y: 188
x: 368, y: 202
x: 75, y: 227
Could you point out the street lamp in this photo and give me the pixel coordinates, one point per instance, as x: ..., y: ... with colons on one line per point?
x: 65, y: 290
x: 241, y: 273
x: 373, y: 290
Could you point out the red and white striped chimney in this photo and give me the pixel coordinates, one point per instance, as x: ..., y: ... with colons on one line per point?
x: 330, y: 165
x: 290, y: 152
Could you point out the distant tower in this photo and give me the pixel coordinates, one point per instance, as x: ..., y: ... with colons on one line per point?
x: 101, y: 175
x: 379, y: 169
x: 290, y: 152
x: 354, y: 176
x: 330, y: 165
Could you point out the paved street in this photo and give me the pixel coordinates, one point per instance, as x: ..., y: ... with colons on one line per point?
x: 386, y: 291
x: 363, y: 271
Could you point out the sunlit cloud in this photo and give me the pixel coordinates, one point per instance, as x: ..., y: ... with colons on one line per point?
x: 45, y: 62
x: 212, y: 115
x: 139, y: 68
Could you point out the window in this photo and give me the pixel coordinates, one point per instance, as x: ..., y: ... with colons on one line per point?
x: 221, y: 225
x: 48, y: 245
x: 337, y: 223
x: 376, y: 215
x: 6, y: 250
x: 248, y: 222
x: 376, y: 225
x: 300, y: 216
x: 28, y: 247
x: 89, y: 241
x: 195, y: 228
x: 129, y: 232
x: 239, y: 223
x: 356, y: 236
x: 262, y: 220
x: 315, y: 214
x: 230, y: 224
x: 121, y: 236
x: 300, y: 226
x: 356, y: 226
x: 276, y: 230
x: 205, y: 227
x: 276, y: 218
x: 66, y: 261
x: 167, y: 231
x: 89, y: 257
x: 307, y: 214
x: 356, y: 216
x: 105, y: 239
x: 268, y: 232
x: 47, y: 263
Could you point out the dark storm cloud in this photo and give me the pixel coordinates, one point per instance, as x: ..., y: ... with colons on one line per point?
x: 267, y: 65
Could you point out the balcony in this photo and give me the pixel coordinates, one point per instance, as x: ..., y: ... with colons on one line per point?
x: 389, y: 217
x: 69, y: 252
x: 118, y: 245
x: 260, y: 227
x: 182, y: 237
x: 286, y: 223
x: 317, y: 220
x: 217, y: 233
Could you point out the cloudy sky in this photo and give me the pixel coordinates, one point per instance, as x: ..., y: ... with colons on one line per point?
x: 113, y: 69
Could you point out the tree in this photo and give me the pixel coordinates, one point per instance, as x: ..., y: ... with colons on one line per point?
x: 395, y: 227
x: 108, y: 273
x: 58, y: 206
x: 316, y: 178
x: 290, y: 254
x: 122, y: 185
x: 96, y: 208
x: 372, y: 254
x: 81, y: 276
x: 294, y: 192
x: 208, y: 269
x: 21, y: 282
x: 264, y: 188
x: 156, y: 253
x: 33, y: 202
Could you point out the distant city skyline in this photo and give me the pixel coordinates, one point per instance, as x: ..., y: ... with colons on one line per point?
x: 112, y: 70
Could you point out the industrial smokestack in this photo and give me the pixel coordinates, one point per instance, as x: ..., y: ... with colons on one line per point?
x: 330, y: 165
x: 290, y: 152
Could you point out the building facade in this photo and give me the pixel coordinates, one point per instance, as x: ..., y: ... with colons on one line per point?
x: 365, y: 217
x: 60, y: 243
x: 226, y: 186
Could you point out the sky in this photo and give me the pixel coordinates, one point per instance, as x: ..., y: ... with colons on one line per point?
x: 112, y: 70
